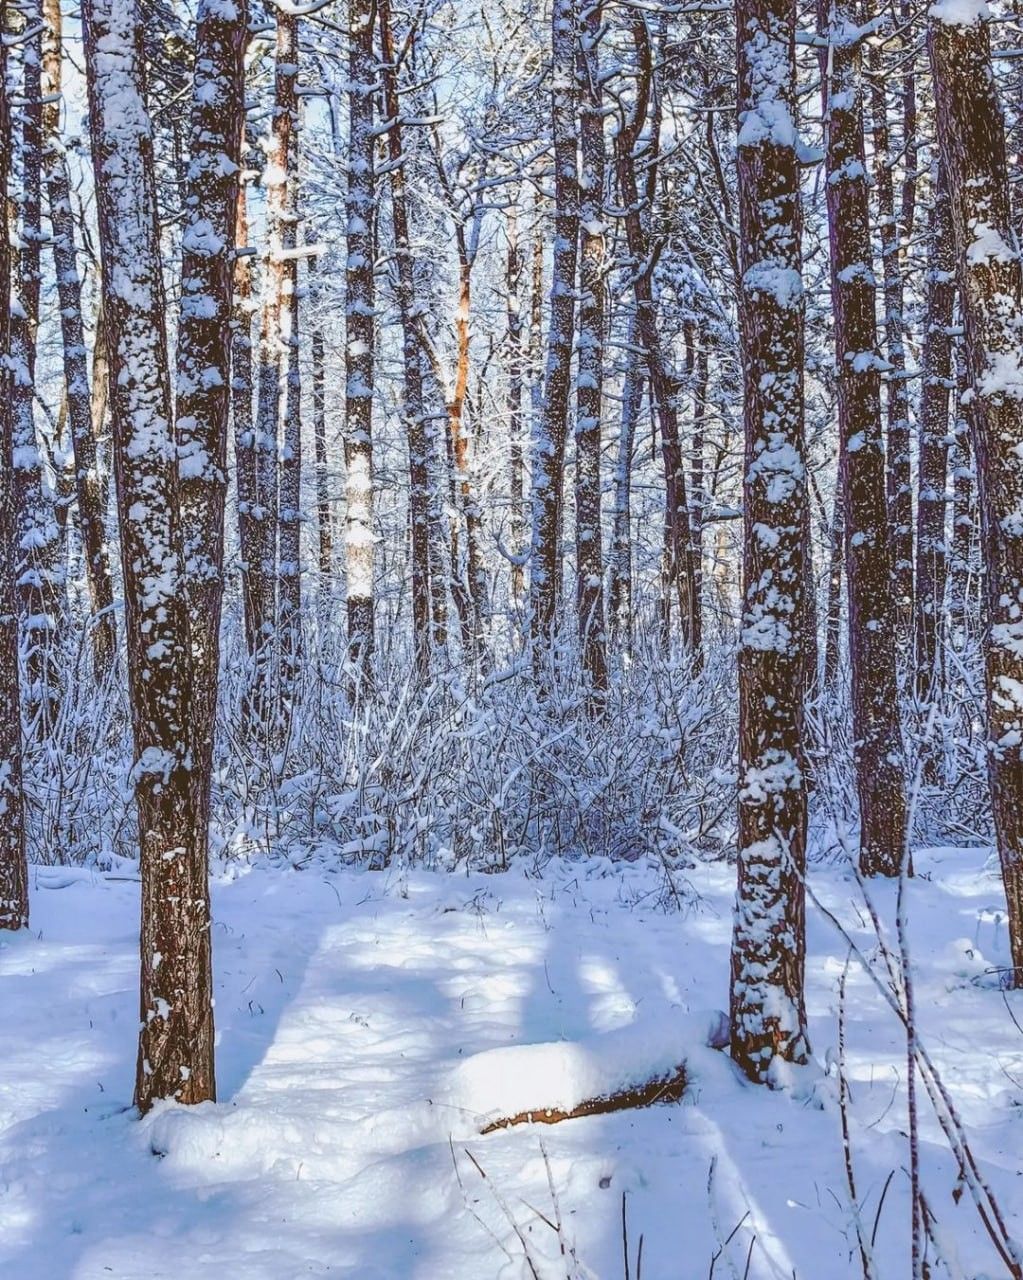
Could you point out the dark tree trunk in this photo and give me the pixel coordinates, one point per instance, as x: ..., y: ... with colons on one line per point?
x: 972, y: 141
x: 13, y: 867
x: 204, y: 344
x: 897, y: 456
x: 549, y: 442
x: 589, y: 386
x: 880, y: 765
x: 768, y: 1017
x: 412, y: 368
x: 931, y: 539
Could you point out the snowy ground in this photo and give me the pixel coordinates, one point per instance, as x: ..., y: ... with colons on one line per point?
x: 350, y: 1008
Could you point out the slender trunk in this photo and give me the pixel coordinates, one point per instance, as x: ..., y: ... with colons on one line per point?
x: 175, y: 1057
x: 768, y: 1016
x: 590, y: 381
x: 833, y: 624
x: 204, y: 344
x: 412, y: 369
x: 878, y: 752
x: 324, y: 532
x: 898, y: 478
x: 517, y: 489
x: 359, y: 337
x: 664, y: 389
x: 620, y: 589
x: 931, y: 543
x: 40, y: 577
x: 245, y: 452
x: 972, y: 143
x: 88, y: 486
x: 549, y: 442
x: 289, y: 515
x: 13, y: 865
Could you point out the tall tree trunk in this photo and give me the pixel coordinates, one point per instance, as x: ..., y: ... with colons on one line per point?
x: 204, y: 344
x: 412, y: 369
x: 589, y: 387
x: 664, y: 388
x: 972, y: 142
x: 289, y: 515
x: 175, y: 1057
x: 359, y: 336
x: 324, y: 524
x: 833, y: 622
x: 245, y: 451
x: 931, y: 540
x: 897, y: 456
x: 768, y: 1016
x: 88, y: 486
x: 620, y: 588
x: 514, y: 271
x: 880, y: 766
x: 40, y: 576
x: 13, y: 866
x: 548, y: 466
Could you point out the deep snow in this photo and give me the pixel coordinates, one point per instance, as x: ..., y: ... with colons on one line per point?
x: 350, y: 1010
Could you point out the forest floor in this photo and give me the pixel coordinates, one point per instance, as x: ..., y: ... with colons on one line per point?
x: 351, y: 1008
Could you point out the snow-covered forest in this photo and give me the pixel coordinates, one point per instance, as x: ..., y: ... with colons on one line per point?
x: 511, y: 640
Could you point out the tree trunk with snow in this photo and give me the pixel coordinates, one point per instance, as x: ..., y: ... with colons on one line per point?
x: 289, y: 515
x: 548, y: 464
x: 13, y: 867
x: 359, y: 336
x: 412, y: 370
x: 513, y: 279
x: 932, y: 505
x: 204, y: 341
x: 589, y: 387
x: 620, y: 587
x: 972, y: 139
x: 880, y: 765
x: 897, y: 455
x: 176, y: 1037
x: 40, y: 574
x: 768, y: 1018
x: 245, y: 451
x: 88, y: 486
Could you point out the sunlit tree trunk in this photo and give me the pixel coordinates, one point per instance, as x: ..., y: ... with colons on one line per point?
x: 175, y: 1057
x: 972, y: 145
x: 412, y: 369
x: 768, y: 1017
x: 13, y: 867
x: 88, y: 487
x: 880, y: 765
x: 359, y: 335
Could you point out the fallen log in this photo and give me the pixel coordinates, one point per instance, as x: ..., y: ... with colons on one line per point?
x: 661, y: 1089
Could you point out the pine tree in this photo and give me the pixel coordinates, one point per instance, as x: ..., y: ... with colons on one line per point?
x: 768, y: 1018
x: 971, y: 136
x: 175, y: 1058
x: 13, y: 867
